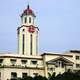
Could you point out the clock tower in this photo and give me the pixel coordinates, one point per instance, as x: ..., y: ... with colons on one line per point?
x: 28, y: 34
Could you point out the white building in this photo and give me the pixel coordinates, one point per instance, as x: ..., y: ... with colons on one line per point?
x: 27, y: 61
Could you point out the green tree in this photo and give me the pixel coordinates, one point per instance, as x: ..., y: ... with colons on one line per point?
x: 51, y: 77
x: 39, y: 78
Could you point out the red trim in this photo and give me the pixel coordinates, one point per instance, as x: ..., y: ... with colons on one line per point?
x: 31, y: 29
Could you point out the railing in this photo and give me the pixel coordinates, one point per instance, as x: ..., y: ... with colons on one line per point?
x: 22, y: 66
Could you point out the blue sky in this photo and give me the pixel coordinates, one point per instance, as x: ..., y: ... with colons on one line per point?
x: 58, y: 21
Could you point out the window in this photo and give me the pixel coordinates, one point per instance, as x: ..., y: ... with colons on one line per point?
x: 23, y: 42
x: 24, y: 61
x: 63, y: 64
x: 77, y: 65
x: 77, y: 57
x: 25, y: 19
x: 58, y: 64
x: 13, y: 75
x: 24, y: 75
x: 34, y: 62
x: 1, y: 60
x: 0, y: 75
x: 29, y: 19
x: 13, y: 61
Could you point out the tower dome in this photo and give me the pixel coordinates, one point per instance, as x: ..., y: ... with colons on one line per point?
x: 28, y: 11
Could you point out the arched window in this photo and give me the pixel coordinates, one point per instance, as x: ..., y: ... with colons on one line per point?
x: 29, y: 19
x: 25, y: 20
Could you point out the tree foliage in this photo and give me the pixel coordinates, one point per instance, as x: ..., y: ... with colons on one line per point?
x: 65, y: 76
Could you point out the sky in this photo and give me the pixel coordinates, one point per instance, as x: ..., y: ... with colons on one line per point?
x: 58, y: 21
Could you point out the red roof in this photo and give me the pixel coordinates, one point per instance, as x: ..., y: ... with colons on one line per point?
x: 28, y: 11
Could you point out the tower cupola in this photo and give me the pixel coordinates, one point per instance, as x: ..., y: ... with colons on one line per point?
x: 28, y: 11
x: 27, y: 17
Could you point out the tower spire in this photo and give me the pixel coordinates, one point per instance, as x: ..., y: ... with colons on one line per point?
x: 28, y: 6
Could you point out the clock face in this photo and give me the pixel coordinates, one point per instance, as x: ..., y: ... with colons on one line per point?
x: 31, y: 29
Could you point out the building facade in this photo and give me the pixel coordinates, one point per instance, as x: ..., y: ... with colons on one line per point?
x: 27, y: 61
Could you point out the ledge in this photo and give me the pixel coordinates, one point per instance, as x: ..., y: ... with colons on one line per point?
x: 21, y: 67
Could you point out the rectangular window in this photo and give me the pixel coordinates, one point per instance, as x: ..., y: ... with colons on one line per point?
x: 1, y: 60
x: 24, y: 75
x: 34, y: 62
x: 29, y: 19
x: 24, y: 61
x: 25, y: 19
x: 77, y: 65
x: 13, y: 61
x: 63, y: 65
x: 77, y: 57
x: 58, y: 64
x: 13, y: 75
